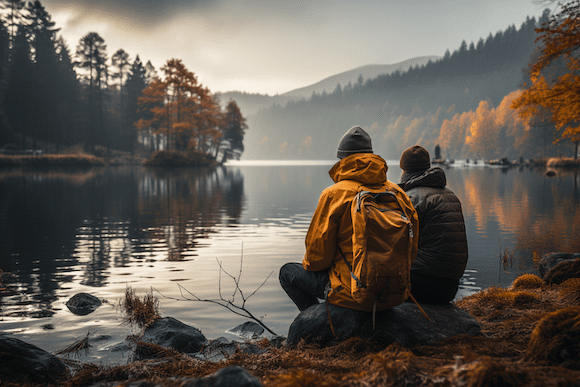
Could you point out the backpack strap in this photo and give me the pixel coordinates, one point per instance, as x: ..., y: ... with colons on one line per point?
x: 358, y: 281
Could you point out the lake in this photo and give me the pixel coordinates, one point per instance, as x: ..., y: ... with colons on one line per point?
x: 103, y: 230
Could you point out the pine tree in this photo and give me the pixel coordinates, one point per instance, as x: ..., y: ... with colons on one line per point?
x: 91, y: 60
x: 234, y: 128
x: 134, y: 87
x: 42, y: 34
x: 18, y: 100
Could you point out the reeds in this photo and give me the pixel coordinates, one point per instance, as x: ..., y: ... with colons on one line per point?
x: 139, y: 311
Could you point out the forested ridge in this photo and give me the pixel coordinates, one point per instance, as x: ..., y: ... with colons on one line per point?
x: 460, y: 102
x: 53, y: 98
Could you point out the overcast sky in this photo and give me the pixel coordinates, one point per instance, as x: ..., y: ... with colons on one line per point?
x: 277, y: 46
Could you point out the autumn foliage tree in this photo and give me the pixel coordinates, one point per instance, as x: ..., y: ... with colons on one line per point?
x: 182, y: 110
x: 555, y: 75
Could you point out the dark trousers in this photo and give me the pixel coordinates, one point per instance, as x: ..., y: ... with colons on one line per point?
x: 433, y: 290
x: 303, y: 287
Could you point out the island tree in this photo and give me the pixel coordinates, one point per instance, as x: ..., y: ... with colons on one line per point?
x: 182, y: 110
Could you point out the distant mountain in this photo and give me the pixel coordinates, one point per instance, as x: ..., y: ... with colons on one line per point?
x: 352, y: 76
x: 251, y: 103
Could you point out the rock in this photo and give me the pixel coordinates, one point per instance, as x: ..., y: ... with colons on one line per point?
x: 171, y: 333
x: 83, y: 303
x: 248, y: 330
x: 404, y: 324
x: 230, y: 376
x: 550, y: 260
x: 562, y: 271
x: 21, y: 362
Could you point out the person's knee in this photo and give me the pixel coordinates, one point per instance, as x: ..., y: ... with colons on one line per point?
x: 287, y: 273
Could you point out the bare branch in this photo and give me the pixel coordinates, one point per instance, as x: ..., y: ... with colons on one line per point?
x: 240, y: 310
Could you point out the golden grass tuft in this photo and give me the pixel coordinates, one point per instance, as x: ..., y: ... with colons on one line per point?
x: 556, y: 338
x: 528, y: 281
x: 487, y: 372
x: 570, y: 290
x: 500, y: 298
x: 140, y: 312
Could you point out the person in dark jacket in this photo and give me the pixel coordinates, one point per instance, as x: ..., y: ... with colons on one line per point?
x: 443, y: 249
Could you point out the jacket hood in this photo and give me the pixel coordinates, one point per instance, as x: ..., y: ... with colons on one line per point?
x: 433, y: 177
x: 366, y: 168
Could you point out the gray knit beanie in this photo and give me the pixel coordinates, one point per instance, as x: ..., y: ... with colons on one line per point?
x: 355, y: 140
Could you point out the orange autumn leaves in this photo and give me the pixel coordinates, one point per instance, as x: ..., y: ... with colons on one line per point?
x: 555, y: 88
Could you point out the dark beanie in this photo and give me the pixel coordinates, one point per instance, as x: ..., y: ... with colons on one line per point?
x: 355, y: 140
x: 415, y: 158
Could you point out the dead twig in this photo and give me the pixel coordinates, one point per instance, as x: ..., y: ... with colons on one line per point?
x: 230, y: 304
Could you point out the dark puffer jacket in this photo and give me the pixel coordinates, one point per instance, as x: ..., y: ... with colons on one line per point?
x: 442, y: 239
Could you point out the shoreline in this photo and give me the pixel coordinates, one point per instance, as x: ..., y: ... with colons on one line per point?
x: 508, y: 319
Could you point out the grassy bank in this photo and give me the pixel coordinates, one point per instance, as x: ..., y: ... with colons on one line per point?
x: 530, y: 338
x: 166, y: 158
x: 81, y: 160
x: 563, y: 162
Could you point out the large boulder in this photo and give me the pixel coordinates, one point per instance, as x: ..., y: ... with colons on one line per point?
x: 171, y: 333
x: 549, y: 261
x: 21, y: 362
x: 404, y: 324
x: 83, y: 303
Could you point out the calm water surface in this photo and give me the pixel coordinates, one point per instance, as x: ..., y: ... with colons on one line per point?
x: 102, y: 230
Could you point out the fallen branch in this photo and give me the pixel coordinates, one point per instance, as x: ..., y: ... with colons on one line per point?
x: 229, y: 304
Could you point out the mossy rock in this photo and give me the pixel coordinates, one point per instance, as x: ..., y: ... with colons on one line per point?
x: 563, y: 271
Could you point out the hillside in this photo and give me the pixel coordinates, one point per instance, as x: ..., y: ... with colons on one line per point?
x: 443, y: 101
x: 251, y: 103
x: 352, y: 76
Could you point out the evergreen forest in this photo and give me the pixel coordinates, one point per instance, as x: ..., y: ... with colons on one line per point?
x: 56, y: 99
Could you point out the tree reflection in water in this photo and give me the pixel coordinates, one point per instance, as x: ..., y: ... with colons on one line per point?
x: 55, y: 223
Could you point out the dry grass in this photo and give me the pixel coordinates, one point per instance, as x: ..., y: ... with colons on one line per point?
x: 50, y: 160
x: 167, y: 158
x: 76, y: 347
x: 528, y: 281
x: 571, y: 290
x: 139, y: 311
x: 563, y: 162
x: 512, y: 320
x: 556, y: 338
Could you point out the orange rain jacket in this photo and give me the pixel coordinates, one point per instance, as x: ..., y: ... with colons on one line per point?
x: 331, y: 224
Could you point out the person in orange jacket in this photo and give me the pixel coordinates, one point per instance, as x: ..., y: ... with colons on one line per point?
x: 331, y: 226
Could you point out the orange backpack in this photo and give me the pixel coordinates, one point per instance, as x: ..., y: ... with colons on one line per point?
x: 385, y: 240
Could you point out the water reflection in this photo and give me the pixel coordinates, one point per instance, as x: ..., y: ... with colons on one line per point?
x: 62, y: 231
x: 56, y: 225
